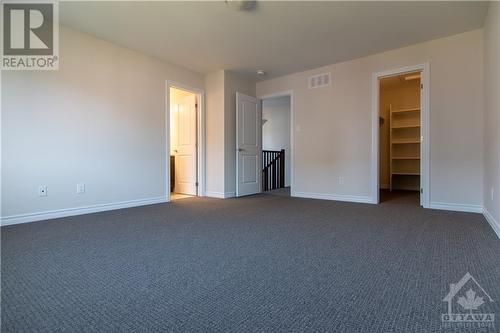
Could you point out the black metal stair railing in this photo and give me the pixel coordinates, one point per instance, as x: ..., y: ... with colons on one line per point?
x: 273, y: 169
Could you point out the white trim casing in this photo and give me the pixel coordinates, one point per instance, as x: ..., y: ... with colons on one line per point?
x: 220, y: 195
x: 456, y: 207
x: 54, y: 214
x: 200, y: 151
x: 375, y: 176
x: 425, y: 130
x: 495, y: 225
x: 1, y: 179
x: 292, y: 130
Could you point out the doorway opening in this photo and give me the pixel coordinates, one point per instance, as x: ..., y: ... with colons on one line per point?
x: 276, y: 144
x: 184, y: 119
x: 400, y: 133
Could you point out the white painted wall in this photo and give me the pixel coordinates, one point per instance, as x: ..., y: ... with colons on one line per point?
x: 99, y: 120
x: 276, y: 128
x: 333, y: 125
x: 492, y: 116
x: 214, y: 88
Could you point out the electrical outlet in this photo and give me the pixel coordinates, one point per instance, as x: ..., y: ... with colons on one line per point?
x: 80, y: 188
x: 492, y: 193
x: 341, y: 180
x: 42, y: 191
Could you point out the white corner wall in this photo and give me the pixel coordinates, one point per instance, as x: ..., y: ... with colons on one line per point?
x: 492, y: 117
x: 332, y: 125
x: 214, y: 141
x: 99, y: 120
x: 221, y: 88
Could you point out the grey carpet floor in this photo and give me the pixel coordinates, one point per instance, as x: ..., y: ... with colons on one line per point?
x: 264, y: 263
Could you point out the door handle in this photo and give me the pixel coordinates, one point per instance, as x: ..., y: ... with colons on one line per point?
x: 175, y: 151
x: 239, y: 149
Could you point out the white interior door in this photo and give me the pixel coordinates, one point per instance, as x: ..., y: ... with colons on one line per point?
x: 248, y: 145
x: 184, y: 145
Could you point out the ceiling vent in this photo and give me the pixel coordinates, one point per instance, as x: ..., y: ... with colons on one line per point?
x: 321, y: 80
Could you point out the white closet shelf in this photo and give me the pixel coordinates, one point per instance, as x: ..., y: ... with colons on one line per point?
x: 405, y: 110
x: 406, y: 162
x: 401, y: 142
x: 406, y: 173
x: 405, y: 158
x: 406, y: 126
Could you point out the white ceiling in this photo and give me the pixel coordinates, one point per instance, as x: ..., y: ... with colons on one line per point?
x: 278, y: 37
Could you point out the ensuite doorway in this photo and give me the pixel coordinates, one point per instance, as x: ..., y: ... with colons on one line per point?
x: 184, y: 117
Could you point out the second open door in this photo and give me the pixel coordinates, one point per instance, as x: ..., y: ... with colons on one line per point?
x: 248, y: 145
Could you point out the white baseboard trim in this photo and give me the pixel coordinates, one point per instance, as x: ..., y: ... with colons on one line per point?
x: 495, y: 225
x: 220, y: 195
x: 456, y: 207
x: 335, y: 197
x: 53, y: 214
x: 213, y: 194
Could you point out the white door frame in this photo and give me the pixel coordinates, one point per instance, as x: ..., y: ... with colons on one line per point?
x: 424, y: 123
x: 200, y: 136
x: 288, y: 93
